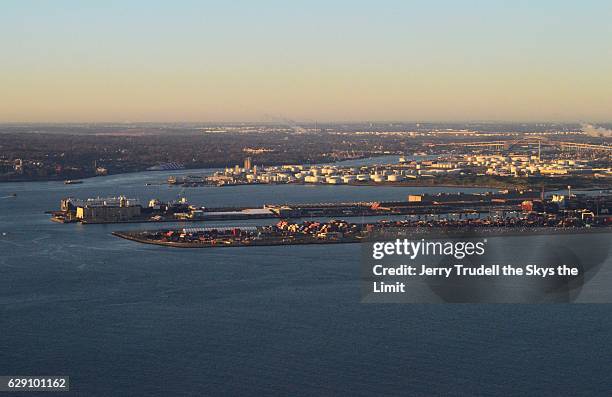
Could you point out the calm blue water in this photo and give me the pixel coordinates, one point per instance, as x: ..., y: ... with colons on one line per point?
x: 122, y: 318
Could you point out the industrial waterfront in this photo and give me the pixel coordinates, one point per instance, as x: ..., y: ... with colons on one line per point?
x: 102, y: 314
x: 343, y: 232
x: 131, y: 210
x: 499, y: 169
x: 317, y: 198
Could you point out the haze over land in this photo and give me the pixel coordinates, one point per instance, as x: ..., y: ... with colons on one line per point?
x: 67, y: 61
x: 594, y: 131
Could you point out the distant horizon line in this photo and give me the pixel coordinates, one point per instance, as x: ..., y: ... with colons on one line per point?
x: 218, y: 122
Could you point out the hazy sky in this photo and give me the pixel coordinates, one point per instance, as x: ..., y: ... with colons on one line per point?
x: 305, y: 60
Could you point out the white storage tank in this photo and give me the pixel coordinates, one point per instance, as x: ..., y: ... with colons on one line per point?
x: 334, y: 180
x: 313, y: 179
x: 395, y: 178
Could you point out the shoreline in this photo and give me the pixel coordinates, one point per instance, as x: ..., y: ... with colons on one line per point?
x: 209, y: 168
x: 254, y: 243
x: 445, y: 233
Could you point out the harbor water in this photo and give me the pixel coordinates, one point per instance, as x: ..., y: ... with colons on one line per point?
x: 122, y: 318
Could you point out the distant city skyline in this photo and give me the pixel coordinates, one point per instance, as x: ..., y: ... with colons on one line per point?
x: 204, y: 61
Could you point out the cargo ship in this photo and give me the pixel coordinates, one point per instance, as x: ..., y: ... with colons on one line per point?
x: 72, y: 182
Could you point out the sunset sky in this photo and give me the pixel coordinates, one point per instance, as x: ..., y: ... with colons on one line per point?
x: 64, y: 61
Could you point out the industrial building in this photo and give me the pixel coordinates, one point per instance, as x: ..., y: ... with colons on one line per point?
x: 103, y: 210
